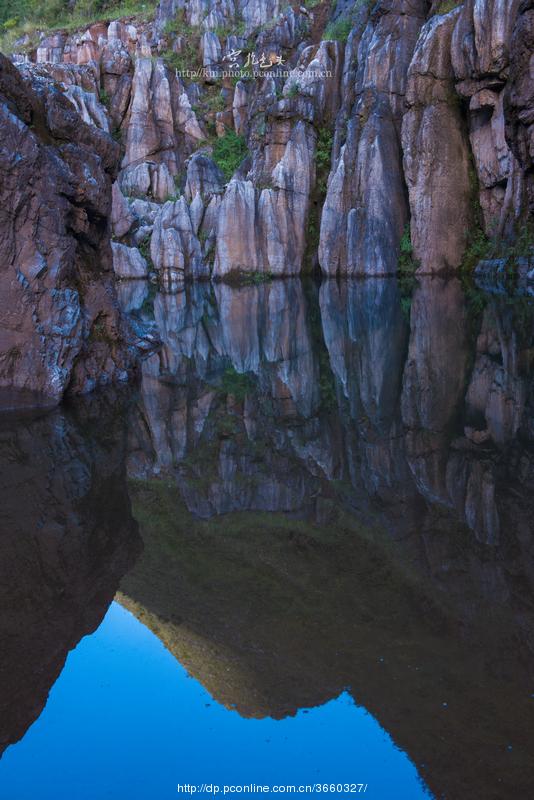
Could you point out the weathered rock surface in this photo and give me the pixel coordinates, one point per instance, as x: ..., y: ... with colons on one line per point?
x: 174, y: 247
x: 436, y: 152
x: 519, y: 96
x: 60, y: 327
x: 430, y: 111
x: 365, y: 210
x: 159, y: 114
x: 128, y: 262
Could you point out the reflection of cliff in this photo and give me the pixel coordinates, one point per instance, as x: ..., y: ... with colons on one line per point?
x: 67, y: 536
x: 230, y: 406
x: 274, y: 614
x: 267, y: 397
x: 356, y: 420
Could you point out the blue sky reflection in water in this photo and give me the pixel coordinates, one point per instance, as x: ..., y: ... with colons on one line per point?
x: 125, y: 722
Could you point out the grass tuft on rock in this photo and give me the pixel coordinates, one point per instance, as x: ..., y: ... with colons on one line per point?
x: 228, y: 152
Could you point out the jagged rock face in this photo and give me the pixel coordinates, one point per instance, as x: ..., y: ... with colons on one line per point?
x: 365, y: 210
x: 481, y: 60
x: 128, y: 262
x: 436, y: 152
x: 174, y: 247
x: 430, y: 114
x: 60, y: 325
x: 81, y: 87
x: 273, y: 220
x: 520, y: 96
x: 161, y: 128
x: 67, y: 537
x: 462, y: 59
x: 263, y: 219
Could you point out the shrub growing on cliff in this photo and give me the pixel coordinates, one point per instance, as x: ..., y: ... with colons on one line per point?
x: 481, y: 247
x: 407, y: 267
x: 228, y: 152
x: 236, y: 384
x: 478, y: 248
x: 446, y: 6
x: 323, y: 158
x: 338, y: 31
x: 407, y: 262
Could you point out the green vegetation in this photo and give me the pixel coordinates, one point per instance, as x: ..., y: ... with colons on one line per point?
x: 105, y: 98
x: 478, y: 248
x: 446, y: 6
x: 256, y: 278
x: 214, y: 103
x: 338, y: 31
x: 407, y: 263
x: 234, y: 29
x: 189, y: 57
x: 20, y: 17
x: 144, y: 249
x: 323, y: 158
x: 147, y: 309
x: 228, y: 152
x: 180, y: 27
x: 481, y: 247
x: 236, y: 384
x: 407, y: 268
x: 293, y: 90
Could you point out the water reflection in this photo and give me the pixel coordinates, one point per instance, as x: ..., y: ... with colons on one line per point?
x: 191, y: 740
x: 359, y: 418
x: 334, y: 490
x: 67, y: 538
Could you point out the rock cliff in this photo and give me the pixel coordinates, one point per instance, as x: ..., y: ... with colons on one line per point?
x: 251, y: 139
x: 397, y: 113
x: 60, y: 327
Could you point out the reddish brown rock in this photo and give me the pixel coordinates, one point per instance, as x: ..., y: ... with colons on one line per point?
x: 60, y: 327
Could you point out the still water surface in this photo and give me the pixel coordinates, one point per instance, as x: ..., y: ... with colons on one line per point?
x: 125, y: 720
x: 300, y: 550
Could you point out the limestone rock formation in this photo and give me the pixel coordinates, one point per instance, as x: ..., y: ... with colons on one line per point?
x: 60, y: 327
x: 436, y: 151
x: 365, y: 210
x: 519, y: 96
x: 128, y: 262
x: 424, y: 114
x: 419, y: 125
